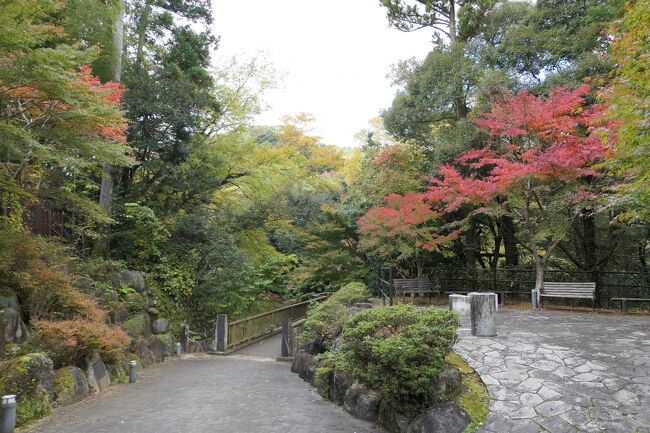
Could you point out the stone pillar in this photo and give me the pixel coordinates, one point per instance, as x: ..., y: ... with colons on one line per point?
x: 460, y: 304
x: 483, y: 313
x: 221, y: 332
x: 185, y: 338
x: 286, y: 338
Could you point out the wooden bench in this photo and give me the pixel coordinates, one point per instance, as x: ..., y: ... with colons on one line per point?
x: 413, y: 286
x: 624, y: 302
x: 569, y: 290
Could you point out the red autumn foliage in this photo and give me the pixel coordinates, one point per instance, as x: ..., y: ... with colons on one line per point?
x: 70, y: 341
x: 109, y: 94
x: 407, y: 219
x: 533, y: 139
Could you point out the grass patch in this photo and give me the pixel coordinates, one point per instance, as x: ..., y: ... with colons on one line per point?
x: 474, y: 398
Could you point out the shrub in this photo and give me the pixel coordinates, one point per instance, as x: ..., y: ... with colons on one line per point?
x: 398, y: 350
x: 68, y: 342
x: 325, y: 321
x: 36, y: 270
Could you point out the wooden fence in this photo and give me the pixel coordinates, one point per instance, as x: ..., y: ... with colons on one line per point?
x: 244, y: 330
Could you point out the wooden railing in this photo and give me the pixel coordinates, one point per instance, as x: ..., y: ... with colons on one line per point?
x: 244, y: 330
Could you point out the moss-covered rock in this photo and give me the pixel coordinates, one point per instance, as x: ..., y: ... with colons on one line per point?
x: 12, y: 327
x: 137, y: 325
x: 31, y: 378
x: 70, y: 386
x: 393, y: 417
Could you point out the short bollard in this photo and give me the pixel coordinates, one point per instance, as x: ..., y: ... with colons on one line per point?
x: 178, y: 349
x: 460, y: 304
x: 132, y: 371
x: 533, y: 298
x: 483, y: 311
x: 8, y: 414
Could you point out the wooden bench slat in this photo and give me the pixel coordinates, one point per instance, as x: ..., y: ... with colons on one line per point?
x: 568, y: 290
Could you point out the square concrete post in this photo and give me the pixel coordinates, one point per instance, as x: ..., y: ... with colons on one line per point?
x: 221, y: 332
x: 185, y: 338
x: 285, y: 348
x: 460, y: 304
x: 483, y: 310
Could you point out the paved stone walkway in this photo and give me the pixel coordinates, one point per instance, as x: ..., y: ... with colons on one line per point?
x: 208, y: 394
x: 564, y: 372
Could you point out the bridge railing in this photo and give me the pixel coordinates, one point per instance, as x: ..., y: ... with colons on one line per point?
x: 244, y: 330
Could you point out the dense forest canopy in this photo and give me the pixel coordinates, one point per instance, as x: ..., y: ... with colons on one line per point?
x: 519, y: 142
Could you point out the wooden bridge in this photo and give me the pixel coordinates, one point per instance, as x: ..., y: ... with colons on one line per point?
x: 228, y: 337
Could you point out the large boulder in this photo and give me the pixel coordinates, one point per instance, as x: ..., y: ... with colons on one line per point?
x: 132, y: 279
x: 119, y: 313
x: 97, y: 373
x: 137, y: 325
x: 393, y: 417
x: 70, y: 385
x: 8, y: 299
x: 339, y: 387
x: 362, y: 402
x: 160, y: 326
x: 12, y: 327
x: 31, y: 378
x: 446, y: 385
x: 305, y: 365
x: 152, y: 349
x: 447, y: 418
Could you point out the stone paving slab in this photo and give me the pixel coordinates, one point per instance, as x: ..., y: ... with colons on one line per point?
x: 564, y: 372
x: 208, y: 394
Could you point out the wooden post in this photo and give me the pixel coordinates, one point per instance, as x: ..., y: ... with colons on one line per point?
x: 286, y: 338
x: 221, y: 332
x: 185, y: 338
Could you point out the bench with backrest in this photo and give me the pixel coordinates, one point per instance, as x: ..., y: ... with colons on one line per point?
x: 413, y: 286
x: 569, y: 290
x: 625, y: 301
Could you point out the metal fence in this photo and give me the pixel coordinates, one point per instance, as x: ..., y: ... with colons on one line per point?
x: 609, y: 283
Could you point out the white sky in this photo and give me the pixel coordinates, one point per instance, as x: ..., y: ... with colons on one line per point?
x: 335, y: 53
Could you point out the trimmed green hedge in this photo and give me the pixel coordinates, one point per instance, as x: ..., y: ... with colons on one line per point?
x: 325, y: 321
x: 398, y: 350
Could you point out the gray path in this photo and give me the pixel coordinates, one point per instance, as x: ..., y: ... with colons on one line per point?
x: 269, y: 348
x: 208, y: 394
x: 564, y: 372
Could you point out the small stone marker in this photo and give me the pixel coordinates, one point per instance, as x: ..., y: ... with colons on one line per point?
x: 460, y: 304
x: 8, y: 414
x: 483, y: 313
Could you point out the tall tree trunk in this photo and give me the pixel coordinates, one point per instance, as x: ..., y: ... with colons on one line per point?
x: 460, y: 100
x: 471, y: 245
x: 590, y: 248
x: 540, y: 267
x: 106, y: 188
x: 507, y: 228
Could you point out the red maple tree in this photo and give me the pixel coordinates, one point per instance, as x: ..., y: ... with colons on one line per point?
x: 538, y: 166
x: 404, y: 227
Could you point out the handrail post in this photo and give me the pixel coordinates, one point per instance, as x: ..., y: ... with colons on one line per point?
x: 286, y: 337
x: 185, y: 343
x: 221, y: 332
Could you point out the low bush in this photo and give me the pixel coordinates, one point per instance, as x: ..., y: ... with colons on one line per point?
x: 35, y: 269
x: 325, y: 321
x: 68, y: 342
x: 397, y: 350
